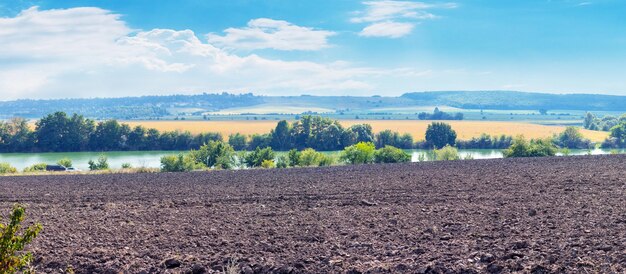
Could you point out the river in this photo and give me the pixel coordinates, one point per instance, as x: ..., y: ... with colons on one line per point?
x: 151, y: 159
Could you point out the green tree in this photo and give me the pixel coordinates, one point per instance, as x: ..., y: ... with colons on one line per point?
x: 52, y: 131
x: 12, y: 257
x: 281, y: 136
x: 440, y: 135
x: 389, y: 154
x: 237, y: 141
x: 260, y: 140
x: 360, y: 153
x: 109, y: 136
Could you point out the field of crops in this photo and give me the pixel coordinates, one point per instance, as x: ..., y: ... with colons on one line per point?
x: 464, y: 129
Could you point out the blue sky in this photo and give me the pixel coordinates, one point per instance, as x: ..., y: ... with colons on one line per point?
x: 76, y: 48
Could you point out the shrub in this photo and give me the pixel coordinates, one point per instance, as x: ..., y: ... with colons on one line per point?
x: 36, y: 167
x: 293, y: 157
x: 447, y: 153
x: 178, y: 163
x: 66, y: 162
x: 215, y: 154
x: 258, y: 156
x: 534, y: 148
x: 12, y: 257
x: 310, y: 157
x: 440, y: 135
x: 102, y: 164
x: 268, y: 164
x: 361, y: 153
x: 282, y: 161
x: 7, y: 168
x: 390, y: 154
x: 126, y: 166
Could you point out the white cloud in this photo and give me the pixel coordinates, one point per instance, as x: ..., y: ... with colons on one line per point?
x: 88, y: 52
x: 387, y: 29
x: 264, y: 33
x: 383, y: 17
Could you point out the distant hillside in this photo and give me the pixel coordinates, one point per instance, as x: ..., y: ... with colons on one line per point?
x: 513, y: 100
x: 155, y: 107
x: 127, y: 107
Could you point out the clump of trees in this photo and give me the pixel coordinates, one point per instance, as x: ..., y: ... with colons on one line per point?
x: 439, y: 115
x: 533, y: 148
x: 440, y: 135
x: 572, y: 138
x: 617, y: 138
x: 366, y: 153
x: 486, y: 141
x: 13, y: 259
x: 59, y: 132
x: 593, y: 122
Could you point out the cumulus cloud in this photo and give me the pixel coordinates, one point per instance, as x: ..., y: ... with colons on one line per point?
x: 264, y: 33
x: 387, y: 29
x: 383, y: 16
x: 88, y: 52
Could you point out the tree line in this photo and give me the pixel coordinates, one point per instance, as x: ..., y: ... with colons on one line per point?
x: 59, y: 132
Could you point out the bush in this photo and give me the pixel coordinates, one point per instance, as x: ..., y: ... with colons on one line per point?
x: 361, y: 153
x: 258, y: 156
x: 12, y: 257
x: 268, y: 164
x: 282, y: 161
x: 293, y: 157
x: 36, y: 167
x: 66, y: 162
x: 390, y: 154
x: 447, y: 153
x: 310, y: 157
x: 102, y: 164
x: 126, y: 166
x: 7, y: 168
x: 215, y: 154
x: 178, y: 163
x: 440, y: 135
x: 534, y: 148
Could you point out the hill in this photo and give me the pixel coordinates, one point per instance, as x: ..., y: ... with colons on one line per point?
x: 157, y: 107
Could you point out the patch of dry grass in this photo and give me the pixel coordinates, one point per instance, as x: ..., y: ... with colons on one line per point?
x: 465, y: 129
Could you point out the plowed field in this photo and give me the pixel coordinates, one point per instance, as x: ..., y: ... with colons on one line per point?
x: 564, y: 215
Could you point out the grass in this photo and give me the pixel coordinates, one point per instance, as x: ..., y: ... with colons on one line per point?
x: 465, y: 129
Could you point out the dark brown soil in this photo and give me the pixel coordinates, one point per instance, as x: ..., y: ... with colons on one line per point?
x: 563, y: 215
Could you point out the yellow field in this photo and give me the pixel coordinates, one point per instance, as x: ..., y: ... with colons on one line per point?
x: 465, y: 129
